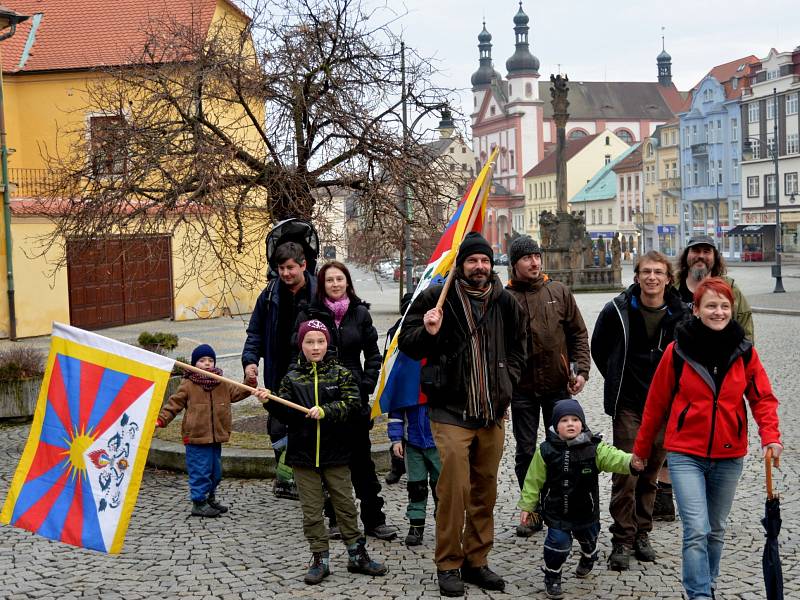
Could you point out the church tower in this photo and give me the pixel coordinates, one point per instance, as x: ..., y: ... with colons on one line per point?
x: 664, y: 61
x: 483, y: 77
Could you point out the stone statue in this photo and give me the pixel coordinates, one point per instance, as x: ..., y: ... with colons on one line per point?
x: 588, y: 252
x: 616, y: 251
x: 601, y: 251
x: 576, y: 252
x: 559, y: 100
x: 548, y: 225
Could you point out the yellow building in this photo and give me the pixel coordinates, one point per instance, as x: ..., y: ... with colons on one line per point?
x: 585, y: 157
x: 665, y: 191
x: 48, y: 67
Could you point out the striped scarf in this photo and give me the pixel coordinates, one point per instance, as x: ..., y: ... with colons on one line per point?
x: 478, y: 404
x: 205, y: 382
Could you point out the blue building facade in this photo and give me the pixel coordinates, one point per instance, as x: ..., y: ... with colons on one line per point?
x: 711, y: 150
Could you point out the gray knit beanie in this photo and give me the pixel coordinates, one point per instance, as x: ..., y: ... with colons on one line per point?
x: 522, y: 246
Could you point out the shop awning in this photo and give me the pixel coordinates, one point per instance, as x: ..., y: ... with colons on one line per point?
x: 752, y: 229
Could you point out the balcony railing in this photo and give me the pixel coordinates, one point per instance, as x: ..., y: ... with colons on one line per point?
x: 700, y: 149
x: 29, y: 183
x: 671, y: 183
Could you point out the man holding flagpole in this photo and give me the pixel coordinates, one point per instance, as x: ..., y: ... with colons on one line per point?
x: 474, y: 342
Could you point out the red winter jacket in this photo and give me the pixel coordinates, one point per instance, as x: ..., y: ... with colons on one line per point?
x: 699, y: 424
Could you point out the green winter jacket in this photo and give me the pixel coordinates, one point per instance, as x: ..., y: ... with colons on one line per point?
x: 329, y: 385
x: 608, y: 459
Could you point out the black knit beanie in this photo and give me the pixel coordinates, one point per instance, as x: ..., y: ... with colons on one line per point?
x: 201, y: 351
x: 568, y: 406
x: 522, y: 246
x: 474, y: 243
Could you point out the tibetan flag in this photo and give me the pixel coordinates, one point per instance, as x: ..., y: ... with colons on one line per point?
x: 82, y: 465
x: 398, y: 385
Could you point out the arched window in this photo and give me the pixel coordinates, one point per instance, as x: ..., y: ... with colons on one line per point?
x: 528, y: 90
x: 577, y: 133
x: 625, y: 135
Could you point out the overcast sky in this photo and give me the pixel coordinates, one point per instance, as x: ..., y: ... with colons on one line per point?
x: 611, y: 40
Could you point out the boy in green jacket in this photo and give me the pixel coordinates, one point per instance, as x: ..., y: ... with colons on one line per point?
x: 563, y: 473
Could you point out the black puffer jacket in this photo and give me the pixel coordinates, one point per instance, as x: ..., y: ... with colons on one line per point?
x: 327, y: 384
x: 505, y: 330
x: 611, y: 338
x: 355, y: 336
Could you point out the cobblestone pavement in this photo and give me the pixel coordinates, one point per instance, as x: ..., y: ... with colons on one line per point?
x: 258, y: 550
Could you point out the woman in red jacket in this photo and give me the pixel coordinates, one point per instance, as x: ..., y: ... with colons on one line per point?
x: 697, y: 390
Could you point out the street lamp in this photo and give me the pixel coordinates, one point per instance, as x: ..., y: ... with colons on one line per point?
x: 8, y: 26
x: 747, y: 155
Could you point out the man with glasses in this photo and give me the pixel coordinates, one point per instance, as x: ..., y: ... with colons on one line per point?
x: 631, y: 334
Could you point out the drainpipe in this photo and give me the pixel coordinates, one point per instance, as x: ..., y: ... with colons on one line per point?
x: 12, y: 312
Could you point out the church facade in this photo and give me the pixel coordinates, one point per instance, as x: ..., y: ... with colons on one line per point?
x: 515, y: 114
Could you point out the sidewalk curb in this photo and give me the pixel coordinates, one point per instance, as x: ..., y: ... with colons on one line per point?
x: 239, y: 462
x: 787, y: 312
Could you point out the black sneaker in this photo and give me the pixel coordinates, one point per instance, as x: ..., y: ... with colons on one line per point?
x: 203, y: 509
x: 664, y: 506
x: 212, y: 502
x: 642, y: 548
x: 552, y: 584
x: 415, y: 535
x: 383, y: 532
x: 585, y: 566
x: 318, y: 568
x: 483, y: 577
x: 450, y: 583
x: 620, y: 558
x: 360, y: 562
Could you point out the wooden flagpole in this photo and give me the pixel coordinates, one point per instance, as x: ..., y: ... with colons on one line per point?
x: 451, y: 274
x: 240, y: 385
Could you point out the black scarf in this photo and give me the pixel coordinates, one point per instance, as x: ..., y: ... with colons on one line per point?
x: 712, y: 349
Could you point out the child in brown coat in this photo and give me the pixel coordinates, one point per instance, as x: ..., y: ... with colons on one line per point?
x: 206, y: 426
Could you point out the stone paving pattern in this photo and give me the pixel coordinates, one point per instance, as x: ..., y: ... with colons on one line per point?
x: 258, y: 550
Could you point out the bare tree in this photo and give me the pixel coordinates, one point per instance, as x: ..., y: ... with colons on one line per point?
x: 223, y: 132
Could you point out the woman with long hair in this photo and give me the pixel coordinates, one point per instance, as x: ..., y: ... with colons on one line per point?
x: 352, y: 336
x: 697, y: 389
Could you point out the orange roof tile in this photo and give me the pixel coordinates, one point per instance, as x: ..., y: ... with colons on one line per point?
x: 87, y: 34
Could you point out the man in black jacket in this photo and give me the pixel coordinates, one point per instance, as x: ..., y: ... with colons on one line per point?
x: 631, y: 334
x: 475, y: 350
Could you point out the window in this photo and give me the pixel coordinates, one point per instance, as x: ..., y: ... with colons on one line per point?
x: 769, y: 184
x: 770, y: 145
x: 792, y: 143
x: 673, y: 137
x: 452, y: 150
x: 625, y: 135
x: 593, y: 214
x: 710, y: 177
x: 607, y: 158
x: 695, y: 174
x: 770, y: 109
x: 576, y: 134
x: 719, y: 131
x: 752, y: 112
x: 790, y: 183
x: 686, y: 135
x: 107, y: 146
x: 735, y: 170
x: 599, y: 216
x: 610, y: 216
x: 755, y: 146
x: 492, y: 110
x: 528, y: 90
x: 791, y: 104
x: 621, y: 213
x: 511, y: 160
x: 719, y: 171
x: 773, y: 74
x: 694, y: 134
x: 734, y: 130
x: 752, y: 187
x: 705, y: 133
x: 734, y: 82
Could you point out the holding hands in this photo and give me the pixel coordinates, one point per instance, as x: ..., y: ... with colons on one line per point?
x: 637, y: 463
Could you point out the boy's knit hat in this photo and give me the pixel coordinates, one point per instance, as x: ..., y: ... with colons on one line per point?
x: 474, y: 243
x: 312, y: 325
x: 569, y: 406
x: 201, y: 351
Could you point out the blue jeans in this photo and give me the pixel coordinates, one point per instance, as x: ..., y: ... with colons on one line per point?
x: 558, y: 544
x: 704, y: 490
x: 204, y: 465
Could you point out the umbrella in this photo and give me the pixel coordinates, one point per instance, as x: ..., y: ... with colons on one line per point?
x: 771, y: 559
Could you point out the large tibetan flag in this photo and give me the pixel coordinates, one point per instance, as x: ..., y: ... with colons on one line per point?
x: 398, y: 385
x: 82, y: 465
